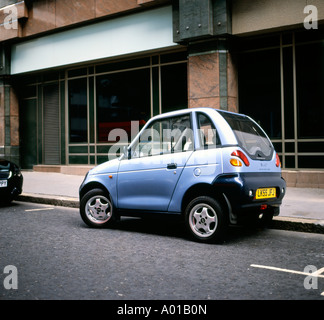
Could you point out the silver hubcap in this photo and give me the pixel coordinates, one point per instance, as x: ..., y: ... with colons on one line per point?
x: 203, y: 220
x: 98, y: 209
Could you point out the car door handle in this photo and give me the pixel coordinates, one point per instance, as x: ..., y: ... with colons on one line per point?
x: 172, y: 166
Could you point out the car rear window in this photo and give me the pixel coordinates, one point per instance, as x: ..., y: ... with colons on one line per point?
x: 250, y: 136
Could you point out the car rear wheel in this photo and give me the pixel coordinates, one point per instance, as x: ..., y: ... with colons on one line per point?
x: 205, y: 219
x: 96, y: 209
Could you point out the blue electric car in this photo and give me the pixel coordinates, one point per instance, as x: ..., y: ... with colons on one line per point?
x: 212, y: 167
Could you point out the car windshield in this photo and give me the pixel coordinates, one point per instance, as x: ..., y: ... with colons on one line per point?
x: 249, y: 135
x: 4, y: 166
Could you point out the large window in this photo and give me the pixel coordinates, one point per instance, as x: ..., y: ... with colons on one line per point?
x: 259, y: 89
x: 281, y: 81
x: 121, y: 98
x: 174, y: 87
x: 310, y: 93
x: 120, y: 95
x: 78, y: 110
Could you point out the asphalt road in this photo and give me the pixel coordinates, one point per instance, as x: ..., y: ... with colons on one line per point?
x: 56, y: 256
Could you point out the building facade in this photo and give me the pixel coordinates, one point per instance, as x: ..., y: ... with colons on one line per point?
x: 72, y: 71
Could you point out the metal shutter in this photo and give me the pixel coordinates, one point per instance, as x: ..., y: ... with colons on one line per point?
x: 51, y: 124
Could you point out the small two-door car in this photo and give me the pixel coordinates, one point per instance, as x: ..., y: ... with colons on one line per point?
x: 212, y: 167
x: 11, y: 181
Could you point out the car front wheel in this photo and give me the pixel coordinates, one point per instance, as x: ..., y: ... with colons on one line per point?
x: 205, y: 219
x: 96, y: 209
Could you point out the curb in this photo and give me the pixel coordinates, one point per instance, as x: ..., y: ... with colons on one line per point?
x: 279, y: 223
x: 295, y: 224
x: 50, y: 200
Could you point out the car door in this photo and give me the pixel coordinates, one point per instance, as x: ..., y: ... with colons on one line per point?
x: 147, y: 179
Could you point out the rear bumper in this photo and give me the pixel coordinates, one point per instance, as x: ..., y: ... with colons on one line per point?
x: 13, y: 189
x: 240, y: 191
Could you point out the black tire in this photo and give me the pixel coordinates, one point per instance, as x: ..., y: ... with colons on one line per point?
x: 96, y: 209
x: 206, y: 220
x: 6, y: 202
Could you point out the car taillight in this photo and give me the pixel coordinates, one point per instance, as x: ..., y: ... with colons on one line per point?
x: 240, y: 155
x: 278, y: 163
x: 236, y: 162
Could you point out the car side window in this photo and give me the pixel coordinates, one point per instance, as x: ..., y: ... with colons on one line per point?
x: 208, y: 135
x: 165, y: 136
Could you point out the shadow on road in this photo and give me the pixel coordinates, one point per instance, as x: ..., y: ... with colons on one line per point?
x: 174, y: 227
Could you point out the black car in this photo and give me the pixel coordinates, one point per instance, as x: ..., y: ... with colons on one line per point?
x: 11, y: 181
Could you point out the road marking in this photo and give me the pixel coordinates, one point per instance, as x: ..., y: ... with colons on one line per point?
x: 42, y: 209
x: 319, y: 271
x: 314, y: 274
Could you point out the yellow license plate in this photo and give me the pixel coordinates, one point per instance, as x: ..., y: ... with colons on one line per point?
x: 265, y: 193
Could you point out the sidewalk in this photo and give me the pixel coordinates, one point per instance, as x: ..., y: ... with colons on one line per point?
x: 51, y: 188
x: 302, y: 208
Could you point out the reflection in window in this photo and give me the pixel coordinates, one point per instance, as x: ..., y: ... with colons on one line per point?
x: 78, y: 110
x: 164, y: 137
x: 121, y: 98
x: 249, y: 136
x: 208, y: 135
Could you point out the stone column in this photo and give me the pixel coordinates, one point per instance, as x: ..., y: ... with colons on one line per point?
x: 212, y: 80
x: 9, y: 121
